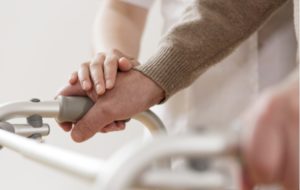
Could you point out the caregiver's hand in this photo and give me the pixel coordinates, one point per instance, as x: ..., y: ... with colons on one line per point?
x: 133, y: 93
x: 100, y: 74
x: 270, y: 139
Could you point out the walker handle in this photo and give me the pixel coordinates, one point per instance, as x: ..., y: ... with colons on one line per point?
x: 72, y: 108
x: 68, y: 109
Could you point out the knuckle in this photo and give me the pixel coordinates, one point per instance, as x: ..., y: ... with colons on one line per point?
x: 94, y: 65
x: 96, y: 84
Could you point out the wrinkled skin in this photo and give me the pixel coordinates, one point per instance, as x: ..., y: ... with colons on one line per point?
x: 133, y: 93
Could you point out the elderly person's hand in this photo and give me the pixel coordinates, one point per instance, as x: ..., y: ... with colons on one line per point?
x: 133, y: 93
x: 270, y: 139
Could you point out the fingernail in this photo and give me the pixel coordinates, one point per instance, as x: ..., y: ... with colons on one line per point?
x: 99, y: 89
x: 86, y: 85
x: 76, y: 135
x: 109, y: 84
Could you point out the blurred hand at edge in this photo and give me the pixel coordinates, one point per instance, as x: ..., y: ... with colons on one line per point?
x: 270, y: 139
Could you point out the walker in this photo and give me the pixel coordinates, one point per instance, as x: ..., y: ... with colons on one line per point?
x: 213, y: 158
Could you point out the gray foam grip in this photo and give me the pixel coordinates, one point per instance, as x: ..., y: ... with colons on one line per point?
x: 72, y: 108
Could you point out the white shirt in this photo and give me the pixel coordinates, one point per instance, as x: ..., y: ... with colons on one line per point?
x: 226, y: 89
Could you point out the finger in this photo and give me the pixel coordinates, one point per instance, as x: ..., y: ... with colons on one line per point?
x: 76, y: 90
x: 110, y: 71
x: 121, y: 125
x: 112, y: 129
x: 72, y: 90
x: 126, y: 64
x: 84, y: 77
x: 95, y: 119
x: 74, y: 78
x: 66, y: 126
x: 96, y: 69
x: 92, y: 95
x: 116, y: 126
x: 108, y: 127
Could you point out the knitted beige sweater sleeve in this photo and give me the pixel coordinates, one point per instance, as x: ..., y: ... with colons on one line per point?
x: 208, y: 31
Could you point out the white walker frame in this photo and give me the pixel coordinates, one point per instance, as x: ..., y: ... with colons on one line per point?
x: 145, y: 166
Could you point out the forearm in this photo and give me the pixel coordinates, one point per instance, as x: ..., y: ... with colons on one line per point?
x: 119, y: 26
x: 209, y: 31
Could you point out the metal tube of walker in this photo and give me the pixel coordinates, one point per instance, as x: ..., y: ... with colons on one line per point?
x: 63, y: 109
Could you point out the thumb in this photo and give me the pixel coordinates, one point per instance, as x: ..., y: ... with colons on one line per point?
x: 126, y: 64
x: 95, y: 119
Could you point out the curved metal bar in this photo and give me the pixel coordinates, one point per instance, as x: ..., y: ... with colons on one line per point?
x: 151, y: 122
x: 125, y: 171
x: 128, y: 166
x: 183, y: 179
x: 84, y: 167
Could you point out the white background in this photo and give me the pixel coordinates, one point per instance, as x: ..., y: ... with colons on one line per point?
x: 41, y: 43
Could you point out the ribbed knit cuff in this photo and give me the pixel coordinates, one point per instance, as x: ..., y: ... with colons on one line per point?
x: 166, y: 68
